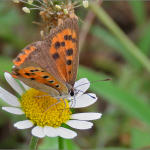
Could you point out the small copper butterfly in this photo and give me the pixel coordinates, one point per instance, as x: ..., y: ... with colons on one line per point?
x: 51, y: 65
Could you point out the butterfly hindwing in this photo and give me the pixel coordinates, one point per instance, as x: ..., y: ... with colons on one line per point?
x: 30, y: 72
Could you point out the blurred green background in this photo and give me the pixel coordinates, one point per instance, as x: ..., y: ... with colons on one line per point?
x: 114, y: 43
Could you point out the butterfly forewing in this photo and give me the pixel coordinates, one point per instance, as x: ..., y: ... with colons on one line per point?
x: 64, y: 49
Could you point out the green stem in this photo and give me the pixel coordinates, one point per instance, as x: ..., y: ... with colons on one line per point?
x: 33, y: 142
x: 61, y: 142
x: 113, y: 27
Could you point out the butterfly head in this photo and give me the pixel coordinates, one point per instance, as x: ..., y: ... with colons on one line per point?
x: 72, y: 92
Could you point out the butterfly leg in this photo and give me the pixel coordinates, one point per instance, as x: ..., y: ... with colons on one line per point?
x: 41, y: 96
x: 64, y: 107
x: 73, y: 102
x: 52, y: 105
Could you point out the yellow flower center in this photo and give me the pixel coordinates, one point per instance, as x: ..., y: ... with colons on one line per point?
x: 43, y: 110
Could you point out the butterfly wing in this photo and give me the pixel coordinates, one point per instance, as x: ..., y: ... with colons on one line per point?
x: 57, y: 55
x: 62, y: 47
x: 38, y: 78
x: 35, y: 53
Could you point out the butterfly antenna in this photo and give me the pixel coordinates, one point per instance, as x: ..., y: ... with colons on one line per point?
x: 94, y: 81
x: 86, y: 93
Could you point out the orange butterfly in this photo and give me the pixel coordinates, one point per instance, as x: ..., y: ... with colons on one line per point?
x: 51, y: 65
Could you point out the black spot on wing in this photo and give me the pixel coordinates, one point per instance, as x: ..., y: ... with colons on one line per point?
x: 31, y: 70
x: 32, y: 78
x: 37, y: 70
x: 74, y: 40
x: 69, y: 62
x: 51, y: 81
x: 57, y: 86
x: 66, y: 37
x: 55, y: 56
x: 33, y: 73
x: 62, y: 44
x: 28, y: 74
x: 69, y: 52
x: 57, y: 45
x: 45, y: 77
x: 69, y: 72
x: 70, y: 37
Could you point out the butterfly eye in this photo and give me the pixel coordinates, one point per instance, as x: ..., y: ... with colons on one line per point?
x: 71, y: 92
x: 57, y: 86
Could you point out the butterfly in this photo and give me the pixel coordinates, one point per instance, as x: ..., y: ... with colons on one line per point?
x: 51, y: 65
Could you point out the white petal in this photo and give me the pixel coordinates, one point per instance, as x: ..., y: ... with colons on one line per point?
x: 86, y: 116
x: 80, y: 81
x: 79, y: 124
x: 3, y: 91
x: 13, y: 83
x: 50, y: 131
x: 38, y: 132
x: 23, y: 124
x: 10, y: 100
x: 66, y: 133
x: 13, y: 110
x: 25, y: 86
x: 82, y: 85
x: 84, y: 100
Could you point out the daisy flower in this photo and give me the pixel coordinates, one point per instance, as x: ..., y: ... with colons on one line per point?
x: 47, y: 122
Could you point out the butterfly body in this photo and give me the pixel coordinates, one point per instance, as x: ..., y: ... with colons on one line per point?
x: 51, y: 65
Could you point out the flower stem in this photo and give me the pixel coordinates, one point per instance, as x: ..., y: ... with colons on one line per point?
x: 33, y: 142
x: 61, y: 142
